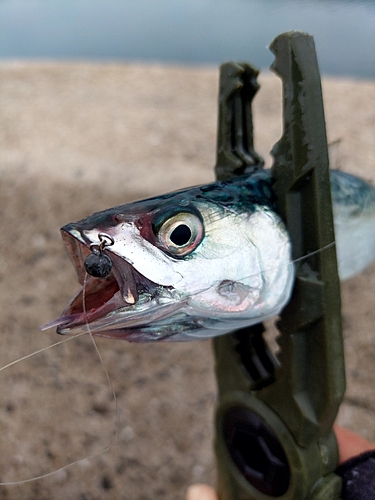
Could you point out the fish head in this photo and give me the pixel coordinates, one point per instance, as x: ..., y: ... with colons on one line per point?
x: 187, y: 265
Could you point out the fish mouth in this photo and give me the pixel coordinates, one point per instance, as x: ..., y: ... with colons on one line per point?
x: 122, y: 304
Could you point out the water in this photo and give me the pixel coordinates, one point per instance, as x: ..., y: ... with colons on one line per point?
x: 189, y: 31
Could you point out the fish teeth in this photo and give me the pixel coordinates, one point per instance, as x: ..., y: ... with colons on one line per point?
x: 129, y: 297
x: 126, y: 280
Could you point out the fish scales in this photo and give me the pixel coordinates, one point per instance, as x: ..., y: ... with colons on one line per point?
x: 202, y: 261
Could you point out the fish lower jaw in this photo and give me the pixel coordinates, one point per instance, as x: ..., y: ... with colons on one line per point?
x: 123, y: 291
x: 75, y: 320
x: 123, y: 320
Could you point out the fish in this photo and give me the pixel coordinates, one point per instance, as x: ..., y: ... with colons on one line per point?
x: 202, y: 261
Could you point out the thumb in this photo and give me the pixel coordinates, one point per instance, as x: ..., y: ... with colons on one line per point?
x: 201, y: 492
x: 350, y: 444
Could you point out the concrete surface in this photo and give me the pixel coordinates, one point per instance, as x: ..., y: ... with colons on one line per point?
x: 76, y: 138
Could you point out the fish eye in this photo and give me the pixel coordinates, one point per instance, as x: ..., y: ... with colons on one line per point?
x: 180, y: 234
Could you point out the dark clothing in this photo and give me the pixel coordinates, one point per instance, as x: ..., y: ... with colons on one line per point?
x: 358, y: 475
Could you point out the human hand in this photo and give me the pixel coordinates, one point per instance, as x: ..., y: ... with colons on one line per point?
x: 201, y: 492
x: 350, y: 445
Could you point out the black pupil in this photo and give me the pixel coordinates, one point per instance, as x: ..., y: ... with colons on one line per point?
x: 181, y: 235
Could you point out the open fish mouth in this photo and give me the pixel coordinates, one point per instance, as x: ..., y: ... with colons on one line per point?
x: 122, y: 304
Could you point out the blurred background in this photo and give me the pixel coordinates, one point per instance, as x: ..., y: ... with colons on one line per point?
x: 188, y: 32
x: 103, y: 102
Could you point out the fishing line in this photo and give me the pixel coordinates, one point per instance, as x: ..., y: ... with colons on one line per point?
x: 110, y: 385
x: 109, y: 381
x: 298, y: 259
x: 39, y: 351
x: 315, y: 252
x: 270, y: 269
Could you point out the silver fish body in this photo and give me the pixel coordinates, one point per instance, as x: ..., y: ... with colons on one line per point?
x: 353, y: 204
x: 203, y: 261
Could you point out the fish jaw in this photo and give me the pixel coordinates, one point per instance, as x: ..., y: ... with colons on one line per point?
x: 121, y: 305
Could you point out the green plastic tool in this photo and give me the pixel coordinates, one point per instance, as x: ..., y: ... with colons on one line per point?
x: 274, y: 436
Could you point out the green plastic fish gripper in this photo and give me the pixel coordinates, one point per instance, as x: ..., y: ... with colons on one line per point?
x: 274, y: 436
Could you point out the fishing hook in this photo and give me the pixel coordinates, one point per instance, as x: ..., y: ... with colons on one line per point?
x: 98, y: 264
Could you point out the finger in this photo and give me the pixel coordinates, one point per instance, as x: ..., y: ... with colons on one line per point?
x: 350, y: 444
x: 201, y: 492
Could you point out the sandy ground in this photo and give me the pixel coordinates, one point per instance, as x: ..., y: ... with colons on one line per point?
x: 76, y: 138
